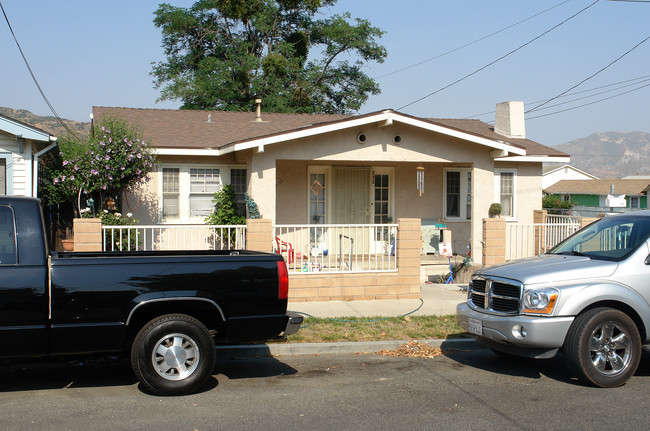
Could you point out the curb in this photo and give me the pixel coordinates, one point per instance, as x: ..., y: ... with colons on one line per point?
x: 361, y: 347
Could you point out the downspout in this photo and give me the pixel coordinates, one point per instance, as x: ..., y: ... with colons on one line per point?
x: 35, y: 165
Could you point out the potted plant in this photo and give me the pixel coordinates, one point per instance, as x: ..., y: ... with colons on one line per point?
x: 495, y: 210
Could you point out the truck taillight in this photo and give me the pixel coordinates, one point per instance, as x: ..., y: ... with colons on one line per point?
x: 283, y: 280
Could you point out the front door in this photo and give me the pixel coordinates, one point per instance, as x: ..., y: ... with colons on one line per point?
x: 351, y: 195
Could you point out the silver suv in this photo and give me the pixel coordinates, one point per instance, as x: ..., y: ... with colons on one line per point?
x: 588, y: 296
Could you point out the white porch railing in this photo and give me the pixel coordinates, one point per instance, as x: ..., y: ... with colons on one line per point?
x: 527, y: 240
x: 338, y: 248
x: 173, y: 237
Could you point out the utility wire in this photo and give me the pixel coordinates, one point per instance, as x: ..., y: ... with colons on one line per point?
x: 589, y: 77
x: 498, y: 59
x: 628, y: 83
x: 587, y: 104
x: 33, y: 76
x: 470, y: 43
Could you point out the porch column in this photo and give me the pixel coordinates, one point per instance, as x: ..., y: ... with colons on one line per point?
x: 539, y: 217
x: 259, y: 235
x: 409, y: 243
x: 87, y: 233
x: 585, y: 221
x: 261, y: 186
x: 494, y: 241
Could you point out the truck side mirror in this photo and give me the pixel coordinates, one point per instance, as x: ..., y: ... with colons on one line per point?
x: 647, y: 260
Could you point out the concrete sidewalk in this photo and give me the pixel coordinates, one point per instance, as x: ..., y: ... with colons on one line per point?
x: 436, y: 299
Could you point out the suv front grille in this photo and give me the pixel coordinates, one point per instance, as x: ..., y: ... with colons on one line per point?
x: 494, y: 294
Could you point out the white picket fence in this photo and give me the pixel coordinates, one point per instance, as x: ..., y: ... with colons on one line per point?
x: 532, y: 239
x: 173, y: 237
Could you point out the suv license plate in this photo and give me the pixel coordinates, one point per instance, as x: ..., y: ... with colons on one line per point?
x: 475, y: 326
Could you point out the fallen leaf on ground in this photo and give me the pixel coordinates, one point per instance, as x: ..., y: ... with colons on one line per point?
x: 413, y: 349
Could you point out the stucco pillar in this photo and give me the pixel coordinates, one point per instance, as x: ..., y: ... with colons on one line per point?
x: 539, y: 217
x: 261, y: 186
x: 482, y: 197
x: 494, y: 241
x: 259, y: 235
x: 87, y: 234
x: 584, y: 221
x: 409, y: 243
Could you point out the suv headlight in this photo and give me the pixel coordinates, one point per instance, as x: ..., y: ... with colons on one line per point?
x: 540, y: 301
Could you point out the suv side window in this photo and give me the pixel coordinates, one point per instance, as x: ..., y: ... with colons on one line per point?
x: 7, y: 236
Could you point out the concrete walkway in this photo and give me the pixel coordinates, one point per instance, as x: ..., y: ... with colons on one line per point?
x: 436, y: 299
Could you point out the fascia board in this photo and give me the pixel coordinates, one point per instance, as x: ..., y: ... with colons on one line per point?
x: 25, y: 132
x: 185, y: 152
x: 537, y: 159
x: 347, y: 124
x: 462, y: 135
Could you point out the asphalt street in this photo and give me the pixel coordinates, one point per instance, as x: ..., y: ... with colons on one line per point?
x: 468, y: 389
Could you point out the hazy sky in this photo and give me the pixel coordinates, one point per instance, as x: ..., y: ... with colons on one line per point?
x: 98, y: 53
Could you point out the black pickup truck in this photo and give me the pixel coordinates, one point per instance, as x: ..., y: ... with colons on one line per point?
x: 168, y: 309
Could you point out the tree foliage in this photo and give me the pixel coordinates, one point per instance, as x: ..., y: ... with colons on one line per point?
x: 112, y: 159
x: 225, y: 208
x: 222, y: 54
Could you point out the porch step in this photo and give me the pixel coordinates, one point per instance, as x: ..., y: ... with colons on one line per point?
x: 431, y: 271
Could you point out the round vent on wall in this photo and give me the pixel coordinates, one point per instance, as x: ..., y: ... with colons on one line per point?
x: 362, y: 138
x: 397, y: 139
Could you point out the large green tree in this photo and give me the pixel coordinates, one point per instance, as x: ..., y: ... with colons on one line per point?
x: 222, y: 54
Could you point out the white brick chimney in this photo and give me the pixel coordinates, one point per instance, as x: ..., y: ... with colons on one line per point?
x: 509, y: 120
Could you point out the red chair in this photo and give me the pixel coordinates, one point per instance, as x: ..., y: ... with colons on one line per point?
x: 282, y: 247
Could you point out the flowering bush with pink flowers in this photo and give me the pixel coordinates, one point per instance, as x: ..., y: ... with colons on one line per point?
x: 112, y: 159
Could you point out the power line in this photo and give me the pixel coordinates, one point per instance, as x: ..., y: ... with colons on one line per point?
x: 32, y: 74
x: 628, y: 82
x: 587, y: 104
x: 470, y: 43
x: 589, y: 77
x: 498, y: 59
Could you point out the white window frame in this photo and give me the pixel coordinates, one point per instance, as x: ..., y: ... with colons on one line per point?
x: 636, y: 199
x: 391, y: 190
x: 184, y: 189
x: 497, y: 190
x: 327, y: 171
x: 464, y: 192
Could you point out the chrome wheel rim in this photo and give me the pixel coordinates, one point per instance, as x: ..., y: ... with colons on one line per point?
x: 610, y: 349
x: 175, y: 356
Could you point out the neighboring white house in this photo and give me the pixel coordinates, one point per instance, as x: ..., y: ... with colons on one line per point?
x: 21, y: 146
x: 554, y: 174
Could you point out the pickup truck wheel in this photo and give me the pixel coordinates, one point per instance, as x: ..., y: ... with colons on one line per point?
x: 603, y: 347
x: 173, y: 355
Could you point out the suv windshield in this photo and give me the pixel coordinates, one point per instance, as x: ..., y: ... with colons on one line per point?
x: 610, y: 238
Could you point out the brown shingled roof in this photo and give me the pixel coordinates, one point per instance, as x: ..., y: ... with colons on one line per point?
x: 599, y: 187
x: 167, y: 128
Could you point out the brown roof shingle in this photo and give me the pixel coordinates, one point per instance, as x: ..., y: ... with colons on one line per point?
x: 166, y: 128
x: 599, y: 187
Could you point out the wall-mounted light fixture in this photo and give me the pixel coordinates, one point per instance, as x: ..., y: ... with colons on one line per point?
x: 420, y: 179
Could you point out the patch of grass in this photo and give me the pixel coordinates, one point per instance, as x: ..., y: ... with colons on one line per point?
x: 323, y: 330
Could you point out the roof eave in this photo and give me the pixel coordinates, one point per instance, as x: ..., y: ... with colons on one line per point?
x: 534, y: 159
x: 385, y: 116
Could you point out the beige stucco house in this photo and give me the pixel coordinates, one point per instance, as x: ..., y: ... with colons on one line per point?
x: 372, y: 168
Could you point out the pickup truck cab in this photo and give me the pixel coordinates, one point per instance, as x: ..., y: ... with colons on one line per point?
x: 167, y: 309
x: 589, y: 296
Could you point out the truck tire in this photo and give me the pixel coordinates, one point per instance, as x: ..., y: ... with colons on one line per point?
x: 603, y: 347
x: 173, y: 355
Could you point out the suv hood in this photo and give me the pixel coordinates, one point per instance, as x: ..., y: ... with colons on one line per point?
x: 551, y: 268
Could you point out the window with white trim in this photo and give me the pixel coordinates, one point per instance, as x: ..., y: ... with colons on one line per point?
x: 239, y: 186
x: 635, y: 202
x: 505, y: 186
x: 458, y: 193
x: 171, y: 189
x: 204, y: 183
x: 187, y: 190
